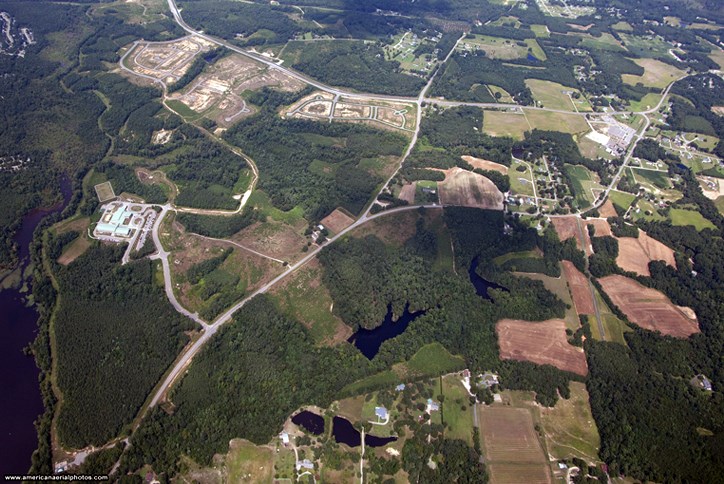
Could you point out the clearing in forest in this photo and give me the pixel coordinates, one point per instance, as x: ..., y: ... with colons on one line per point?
x: 580, y: 289
x: 649, y: 308
x: 557, y: 96
x: 337, y: 221
x: 466, y: 189
x: 634, y: 254
x: 485, y: 164
x: 543, y: 343
x: 657, y: 74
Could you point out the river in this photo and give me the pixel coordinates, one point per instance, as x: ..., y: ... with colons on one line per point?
x: 21, y: 402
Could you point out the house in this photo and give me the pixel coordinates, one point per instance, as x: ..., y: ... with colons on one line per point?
x: 400, y: 387
x: 305, y: 464
x: 432, y: 406
x: 285, y: 438
x: 381, y: 413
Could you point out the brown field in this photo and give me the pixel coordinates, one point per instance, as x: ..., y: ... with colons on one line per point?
x: 74, y: 250
x: 407, y: 193
x: 543, y: 343
x: 606, y: 210
x: 567, y: 227
x: 634, y: 254
x: 602, y: 227
x: 509, y: 473
x: 649, y: 308
x: 718, y: 110
x: 166, y: 61
x: 272, y: 238
x: 467, y: 189
x: 580, y: 289
x: 337, y: 221
x: 657, y: 74
x: 485, y: 164
x: 391, y: 229
x: 509, y: 436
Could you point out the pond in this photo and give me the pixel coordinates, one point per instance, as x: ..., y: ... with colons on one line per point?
x: 368, y: 341
x: 345, y: 433
x: 311, y: 421
x: 19, y: 379
x: 481, y: 285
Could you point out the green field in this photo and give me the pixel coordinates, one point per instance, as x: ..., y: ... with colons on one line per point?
x: 456, y: 409
x: 500, y: 123
x: 515, y: 176
x: 680, y: 216
x: 387, y: 378
x: 719, y: 202
x: 582, y: 180
x: 657, y: 74
x: 246, y: 461
x: 505, y: 97
x: 536, y: 50
x: 647, y: 102
x: 523, y: 254
x: 623, y: 200
x: 658, y: 179
x: 605, y: 42
x: 500, y: 47
x: 551, y: 121
x: 647, y: 211
x: 643, y: 47
x: 432, y: 360
x: 540, y: 30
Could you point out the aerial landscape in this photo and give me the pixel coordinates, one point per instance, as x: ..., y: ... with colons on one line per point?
x: 380, y: 241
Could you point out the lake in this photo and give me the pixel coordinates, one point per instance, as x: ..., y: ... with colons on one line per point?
x: 368, y: 341
x: 345, y: 433
x: 309, y: 420
x: 481, y: 285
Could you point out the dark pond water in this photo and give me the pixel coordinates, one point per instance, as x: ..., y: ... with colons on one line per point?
x: 345, y: 433
x: 311, y: 421
x: 518, y: 153
x: 21, y: 402
x: 368, y: 341
x: 533, y: 58
x: 481, y: 285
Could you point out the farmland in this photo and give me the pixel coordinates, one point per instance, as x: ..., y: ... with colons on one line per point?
x: 580, y: 289
x: 465, y: 189
x: 689, y: 217
x: 540, y: 342
x: 656, y: 74
x: 556, y: 96
x: 649, y: 308
x: 634, y: 254
x: 505, y: 123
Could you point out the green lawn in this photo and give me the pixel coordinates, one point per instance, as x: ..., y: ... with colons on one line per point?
x: 516, y: 177
x: 456, y: 409
x: 540, y: 30
x: 659, y: 179
x: 680, y: 216
x: 434, y: 359
x: 581, y: 179
x: 622, y: 200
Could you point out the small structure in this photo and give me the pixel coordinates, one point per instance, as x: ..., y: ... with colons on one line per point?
x: 381, y: 413
x: 488, y: 379
x: 400, y: 387
x: 701, y: 381
x: 432, y: 406
x: 285, y: 438
x: 305, y: 464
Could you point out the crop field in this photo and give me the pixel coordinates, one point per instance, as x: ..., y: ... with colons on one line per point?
x: 569, y: 426
x: 567, y: 227
x: 580, y: 289
x: 521, y: 182
x: 485, y: 164
x: 218, y: 93
x: 607, y: 210
x: 649, y: 308
x: 508, y: 473
x: 600, y: 225
x: 337, y: 221
x: 505, y: 123
x: 623, y: 200
x: 544, y: 343
x: 165, y: 61
x: 467, y: 189
x: 681, y: 216
x: 656, y: 74
x: 551, y: 121
x: 634, y: 254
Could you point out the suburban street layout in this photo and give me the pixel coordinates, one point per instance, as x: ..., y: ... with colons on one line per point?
x: 330, y: 242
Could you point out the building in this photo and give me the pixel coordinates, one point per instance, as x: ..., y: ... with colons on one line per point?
x: 432, y: 406
x: 381, y: 413
x: 400, y: 387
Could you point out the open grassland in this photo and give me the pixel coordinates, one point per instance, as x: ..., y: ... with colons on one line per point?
x: 544, y: 343
x: 274, y: 239
x: 551, y: 121
x: 569, y: 426
x: 247, y: 462
x: 540, y: 30
x: 521, y: 182
x: 634, y: 254
x: 393, y: 230
x: 622, y: 200
x: 495, y: 47
x: 584, y: 184
x: 505, y: 97
x: 680, y: 216
x: 505, y: 123
x: 657, y: 74
x: 605, y: 42
x: 647, y: 102
x: 430, y: 360
x: 553, y: 95
x: 649, y: 308
x: 640, y: 46
x: 456, y: 409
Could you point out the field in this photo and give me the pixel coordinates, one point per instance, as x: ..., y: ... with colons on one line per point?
x: 505, y: 97
x: 504, y: 123
x: 104, y: 191
x: 647, y: 102
x: 78, y: 246
x: 649, y: 308
x: 431, y: 360
x: 520, y: 181
x: 511, y: 447
x: 457, y: 412
x: 559, y: 287
x: 584, y: 184
x: 569, y: 426
x: 605, y: 42
x: 634, y: 254
x: 247, y: 462
x: 393, y: 230
x: 567, y: 227
x: 485, y: 164
x: 467, y: 189
x: 656, y: 74
x: 580, y: 289
x: 540, y: 30
x: 690, y: 217
x: 620, y: 199
x: 554, y: 96
x: 551, y: 121
x: 494, y: 47
x: 543, y: 343
x: 646, y: 47
x: 601, y: 226
x: 337, y: 221
x: 654, y: 180
x: 607, y: 210
x: 274, y: 239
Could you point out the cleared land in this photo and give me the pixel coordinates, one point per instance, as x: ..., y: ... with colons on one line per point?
x: 275, y: 239
x: 407, y: 193
x: 467, y: 189
x: 494, y: 47
x: 606, y: 210
x: 543, y: 343
x: 657, y: 74
x: 337, y: 221
x: 567, y: 227
x: 505, y: 473
x: 580, y: 289
x: 104, y: 191
x: 565, y: 123
x: 485, y: 164
x: 634, y: 254
x: 555, y: 96
x: 601, y: 226
x: 247, y: 462
x: 649, y: 308
x: 681, y: 216
x: 166, y: 61
x: 505, y: 123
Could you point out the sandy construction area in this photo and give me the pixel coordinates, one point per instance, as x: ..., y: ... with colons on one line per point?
x: 634, y: 254
x: 485, y: 164
x: 649, y: 308
x: 466, y: 189
x: 580, y: 289
x: 544, y: 343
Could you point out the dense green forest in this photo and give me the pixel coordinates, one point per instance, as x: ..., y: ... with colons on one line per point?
x: 115, y: 319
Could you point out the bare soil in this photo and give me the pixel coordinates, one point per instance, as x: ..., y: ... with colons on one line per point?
x: 567, y: 227
x: 606, y: 210
x: 337, y: 221
x: 408, y: 193
x: 634, y: 254
x: 485, y: 164
x: 602, y: 227
x: 580, y: 290
x: 467, y: 189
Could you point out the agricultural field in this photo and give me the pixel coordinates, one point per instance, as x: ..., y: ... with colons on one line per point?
x: 649, y: 308
x: 544, y: 343
x: 494, y: 47
x: 579, y: 287
x: 681, y: 216
x: 656, y: 74
x: 485, y: 164
x: 568, y: 227
x: 622, y: 200
x: 551, y: 121
x: 500, y: 94
x: 431, y: 360
x: 466, y: 189
x: 337, y: 221
x: 557, y: 96
x: 585, y: 187
x: 634, y: 254
x: 166, y: 62
x: 605, y: 42
x: 649, y: 101
x: 505, y: 123
x: 654, y: 180
x: 521, y: 182
x: 540, y: 30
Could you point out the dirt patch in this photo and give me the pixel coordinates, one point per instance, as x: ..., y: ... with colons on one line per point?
x: 649, y: 308
x: 509, y: 473
x: 606, y: 210
x: 393, y: 229
x: 580, y: 289
x: 582, y: 28
x: 485, y: 164
x: 602, y: 227
x: 543, y: 343
x: 567, y: 227
x: 275, y: 239
x: 718, y: 110
x: 634, y: 254
x: 509, y: 435
x: 466, y: 189
x: 712, y: 188
x: 408, y: 193
x: 74, y: 250
x: 337, y: 221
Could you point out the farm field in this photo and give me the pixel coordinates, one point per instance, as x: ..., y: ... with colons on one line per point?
x: 544, y: 343
x: 551, y: 121
x: 584, y: 184
x: 553, y: 95
x: 540, y: 30
x: 337, y: 221
x: 467, y: 189
x: 656, y: 74
x: 647, y: 102
x: 431, y: 360
x: 505, y: 123
x: 646, y: 47
x: 580, y: 289
x: 485, y: 164
x: 494, y: 47
x: 680, y: 216
x: 560, y: 287
x: 634, y: 254
x: 600, y: 226
x: 605, y: 42
x: 567, y: 227
x: 622, y: 200
x: 649, y: 308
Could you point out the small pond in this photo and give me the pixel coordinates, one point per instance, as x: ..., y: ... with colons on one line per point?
x: 368, y: 341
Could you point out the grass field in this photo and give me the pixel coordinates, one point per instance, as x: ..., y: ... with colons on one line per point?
x: 523, y: 254
x: 657, y: 179
x: 565, y: 123
x: 643, y: 47
x: 516, y: 177
x: 680, y: 216
x: 622, y: 200
x: 500, y: 123
x: 569, y: 426
x: 536, y: 50
x: 647, y: 102
x: 719, y: 202
x: 456, y: 409
x: 540, y: 30
x: 505, y: 97
x: 605, y: 42
x: 432, y: 360
x: 622, y: 26
x: 656, y: 74
x: 647, y: 211
x: 582, y: 180
x: 386, y: 378
x: 260, y: 200
x: 551, y: 94
x: 284, y: 461
x: 247, y: 462
x: 496, y: 47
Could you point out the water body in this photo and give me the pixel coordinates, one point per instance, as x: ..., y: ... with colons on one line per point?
x: 309, y: 420
x: 368, y: 341
x: 345, y: 433
x: 533, y: 58
x: 481, y: 285
x: 21, y: 402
